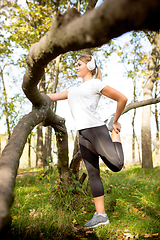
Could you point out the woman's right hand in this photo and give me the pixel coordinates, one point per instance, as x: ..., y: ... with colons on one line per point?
x: 117, y: 127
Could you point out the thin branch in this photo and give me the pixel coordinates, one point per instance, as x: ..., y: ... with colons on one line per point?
x: 141, y: 104
x: 135, y: 105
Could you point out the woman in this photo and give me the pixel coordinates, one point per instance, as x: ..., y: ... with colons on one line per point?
x: 94, y: 137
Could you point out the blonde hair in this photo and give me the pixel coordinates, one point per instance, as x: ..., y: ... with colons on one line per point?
x: 86, y: 59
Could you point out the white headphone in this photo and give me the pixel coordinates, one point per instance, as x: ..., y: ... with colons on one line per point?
x: 91, y: 64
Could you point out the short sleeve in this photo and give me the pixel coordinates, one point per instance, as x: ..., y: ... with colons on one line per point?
x: 99, y: 85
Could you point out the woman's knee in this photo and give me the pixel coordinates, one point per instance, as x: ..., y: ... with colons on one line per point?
x: 115, y: 165
x: 93, y: 174
x: 118, y: 167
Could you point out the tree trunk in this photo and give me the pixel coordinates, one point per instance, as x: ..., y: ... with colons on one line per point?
x: 29, y: 150
x: 134, y: 112
x: 48, y: 142
x: 6, y: 105
x: 63, y: 159
x: 156, y: 160
x: 54, y: 79
x: 133, y: 138
x: 75, y: 163
x: 146, y: 138
x: 147, y: 94
x: 139, y: 152
x: 40, y: 154
x: 39, y: 151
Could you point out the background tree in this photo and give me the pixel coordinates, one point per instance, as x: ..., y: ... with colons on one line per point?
x: 133, y: 55
x: 6, y: 111
x: 11, y: 104
x: 139, y: 72
x: 156, y: 160
x: 135, y: 67
x: 154, y: 38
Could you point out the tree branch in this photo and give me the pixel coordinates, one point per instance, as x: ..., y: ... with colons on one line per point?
x: 93, y: 29
x: 9, y: 160
x: 141, y: 104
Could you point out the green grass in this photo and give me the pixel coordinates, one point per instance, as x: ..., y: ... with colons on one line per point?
x: 44, y: 210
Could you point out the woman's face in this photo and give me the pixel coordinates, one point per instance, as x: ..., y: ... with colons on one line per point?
x: 82, y: 69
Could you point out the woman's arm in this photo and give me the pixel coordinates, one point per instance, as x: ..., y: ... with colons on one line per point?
x: 121, y: 101
x: 58, y: 96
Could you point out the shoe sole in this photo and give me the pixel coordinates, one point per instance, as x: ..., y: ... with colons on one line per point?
x: 98, y: 224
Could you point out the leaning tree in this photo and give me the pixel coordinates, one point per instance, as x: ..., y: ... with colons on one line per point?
x: 68, y: 32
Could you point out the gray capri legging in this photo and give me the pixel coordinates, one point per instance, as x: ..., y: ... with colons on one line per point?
x: 95, y: 142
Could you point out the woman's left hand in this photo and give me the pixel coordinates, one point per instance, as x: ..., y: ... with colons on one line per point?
x: 117, y: 127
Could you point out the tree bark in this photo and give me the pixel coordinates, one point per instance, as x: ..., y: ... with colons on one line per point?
x: 75, y: 162
x: 146, y: 137
x: 63, y: 159
x: 156, y: 160
x: 29, y: 150
x: 48, y: 141
x: 133, y: 138
x: 139, y: 152
x: 6, y: 105
x: 147, y: 161
x: 40, y: 153
x: 40, y: 148
x: 134, y: 115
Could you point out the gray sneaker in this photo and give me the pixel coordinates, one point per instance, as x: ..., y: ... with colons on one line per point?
x: 97, y: 220
x: 109, y: 123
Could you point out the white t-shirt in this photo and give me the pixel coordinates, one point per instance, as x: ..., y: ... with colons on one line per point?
x: 83, y: 101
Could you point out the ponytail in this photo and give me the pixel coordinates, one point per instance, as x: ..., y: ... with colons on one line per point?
x: 99, y: 74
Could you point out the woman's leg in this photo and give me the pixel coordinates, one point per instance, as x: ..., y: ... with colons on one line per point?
x: 91, y: 161
x: 99, y: 204
x: 99, y: 201
x: 109, y: 149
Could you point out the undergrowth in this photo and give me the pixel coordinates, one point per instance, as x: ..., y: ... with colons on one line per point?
x: 44, y: 209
